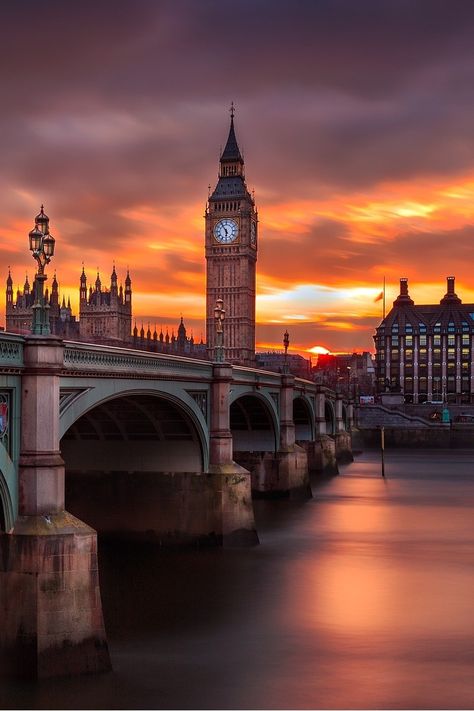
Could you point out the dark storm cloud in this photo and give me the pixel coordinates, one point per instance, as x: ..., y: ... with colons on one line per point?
x: 320, y: 86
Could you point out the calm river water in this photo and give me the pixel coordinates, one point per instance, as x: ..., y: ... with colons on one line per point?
x: 362, y: 597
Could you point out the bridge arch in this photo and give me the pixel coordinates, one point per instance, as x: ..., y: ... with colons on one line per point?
x: 113, y: 426
x: 330, y: 417
x: 254, y: 423
x: 134, y: 465
x: 303, y: 417
x: 88, y: 399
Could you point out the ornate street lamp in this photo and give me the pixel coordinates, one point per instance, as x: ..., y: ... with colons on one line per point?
x: 219, y: 316
x: 42, y: 246
x: 286, y: 343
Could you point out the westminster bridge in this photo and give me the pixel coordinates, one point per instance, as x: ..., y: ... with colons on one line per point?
x: 133, y: 445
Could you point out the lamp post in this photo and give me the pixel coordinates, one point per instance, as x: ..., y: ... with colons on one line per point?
x: 42, y: 247
x: 286, y: 343
x: 219, y: 316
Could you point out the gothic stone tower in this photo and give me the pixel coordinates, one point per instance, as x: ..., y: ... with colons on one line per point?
x: 231, y: 256
x: 105, y: 314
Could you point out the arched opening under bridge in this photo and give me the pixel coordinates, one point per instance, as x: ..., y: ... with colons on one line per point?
x: 303, y: 419
x: 330, y: 417
x: 255, y: 438
x: 134, y: 464
x: 252, y: 425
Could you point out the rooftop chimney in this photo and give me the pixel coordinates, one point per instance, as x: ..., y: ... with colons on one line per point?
x: 450, y: 297
x: 403, y: 297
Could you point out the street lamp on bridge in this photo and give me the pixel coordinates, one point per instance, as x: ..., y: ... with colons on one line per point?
x: 219, y: 316
x: 286, y: 343
x: 42, y: 246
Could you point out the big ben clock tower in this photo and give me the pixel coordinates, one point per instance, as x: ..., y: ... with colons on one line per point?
x: 231, y: 256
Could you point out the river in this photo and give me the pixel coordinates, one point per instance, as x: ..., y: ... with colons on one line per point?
x: 362, y: 597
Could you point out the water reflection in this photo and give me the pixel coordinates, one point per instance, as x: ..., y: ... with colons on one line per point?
x: 359, y: 598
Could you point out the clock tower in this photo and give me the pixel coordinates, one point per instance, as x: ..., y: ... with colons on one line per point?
x: 231, y: 256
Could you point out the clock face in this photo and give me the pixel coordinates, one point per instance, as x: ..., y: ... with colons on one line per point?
x: 226, y: 231
x: 253, y: 234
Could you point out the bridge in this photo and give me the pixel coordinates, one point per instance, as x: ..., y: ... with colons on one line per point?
x: 133, y: 445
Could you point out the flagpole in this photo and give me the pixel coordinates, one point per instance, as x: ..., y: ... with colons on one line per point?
x: 384, y: 297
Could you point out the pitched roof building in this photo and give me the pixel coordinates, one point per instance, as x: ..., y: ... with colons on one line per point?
x: 426, y: 351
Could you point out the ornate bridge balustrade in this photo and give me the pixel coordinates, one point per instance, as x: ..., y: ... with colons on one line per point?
x: 134, y: 445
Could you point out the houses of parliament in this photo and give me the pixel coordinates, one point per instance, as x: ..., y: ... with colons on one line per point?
x: 105, y: 312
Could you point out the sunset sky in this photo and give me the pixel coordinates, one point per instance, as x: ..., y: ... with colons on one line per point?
x: 356, y: 119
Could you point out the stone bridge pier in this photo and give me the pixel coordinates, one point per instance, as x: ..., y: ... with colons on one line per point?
x: 232, y: 481
x: 50, y: 607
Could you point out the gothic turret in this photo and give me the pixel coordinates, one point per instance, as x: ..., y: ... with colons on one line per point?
x: 113, y: 283
x: 181, y: 336
x: 54, y: 291
x: 128, y: 289
x: 83, y: 287
x: 9, y: 291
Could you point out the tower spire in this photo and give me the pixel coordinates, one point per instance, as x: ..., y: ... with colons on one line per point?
x: 231, y: 151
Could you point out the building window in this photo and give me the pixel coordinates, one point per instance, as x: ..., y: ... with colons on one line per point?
x: 451, y: 327
x: 465, y: 353
x: 408, y: 354
x: 422, y: 340
x: 451, y: 340
x: 422, y: 328
x: 409, y: 341
x: 437, y: 327
x: 408, y: 328
x: 451, y: 353
x: 466, y: 340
